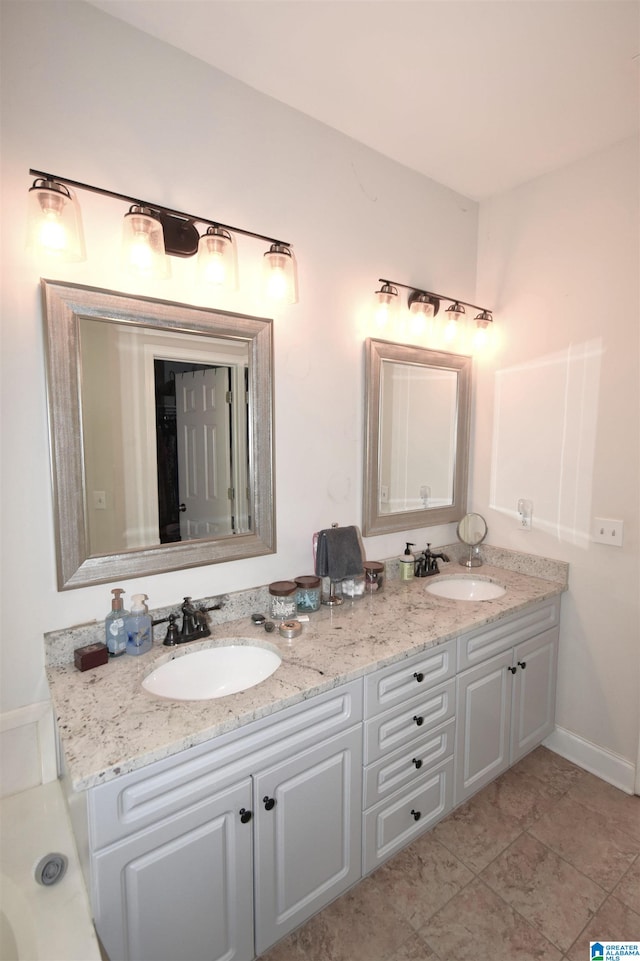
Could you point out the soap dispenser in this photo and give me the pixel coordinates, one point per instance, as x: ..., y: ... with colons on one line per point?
x: 407, y: 563
x: 114, y: 626
x: 138, y: 627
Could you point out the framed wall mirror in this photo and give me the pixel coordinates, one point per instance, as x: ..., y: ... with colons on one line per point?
x: 416, y: 458
x: 161, y: 422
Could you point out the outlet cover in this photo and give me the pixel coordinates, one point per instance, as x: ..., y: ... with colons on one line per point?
x: 606, y: 530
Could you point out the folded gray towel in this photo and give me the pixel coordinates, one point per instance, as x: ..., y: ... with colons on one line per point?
x: 339, y: 554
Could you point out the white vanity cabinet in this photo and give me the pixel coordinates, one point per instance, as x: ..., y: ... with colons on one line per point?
x: 218, y: 852
x: 505, y: 694
x: 408, y: 747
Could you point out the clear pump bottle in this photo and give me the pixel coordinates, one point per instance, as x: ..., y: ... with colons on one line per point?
x: 114, y: 625
x: 138, y: 626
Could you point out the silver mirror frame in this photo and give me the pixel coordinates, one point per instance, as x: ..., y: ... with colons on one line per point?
x: 373, y: 521
x: 64, y: 304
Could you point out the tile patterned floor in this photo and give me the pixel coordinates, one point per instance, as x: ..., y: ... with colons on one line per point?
x: 532, y: 868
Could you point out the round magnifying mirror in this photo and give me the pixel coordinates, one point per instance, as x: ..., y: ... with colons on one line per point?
x: 472, y: 530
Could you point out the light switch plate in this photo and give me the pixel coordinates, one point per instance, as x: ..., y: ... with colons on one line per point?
x: 606, y: 530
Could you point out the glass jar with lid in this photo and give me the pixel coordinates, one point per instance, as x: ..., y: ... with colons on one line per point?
x: 308, y: 593
x: 282, y: 600
x: 373, y: 577
x: 353, y: 587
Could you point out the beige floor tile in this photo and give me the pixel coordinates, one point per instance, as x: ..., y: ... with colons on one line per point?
x: 556, y: 772
x: 545, y: 889
x: 415, y: 949
x: 588, y: 840
x: 421, y: 879
x: 478, y: 924
x: 360, y: 926
x: 628, y: 889
x: 613, y: 922
x: 479, y: 830
x: 622, y: 810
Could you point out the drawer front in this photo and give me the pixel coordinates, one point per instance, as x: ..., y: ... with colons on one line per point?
x: 162, y: 789
x: 403, y: 767
x: 403, y: 724
x: 391, y: 685
x: 393, y: 823
x: 479, y: 645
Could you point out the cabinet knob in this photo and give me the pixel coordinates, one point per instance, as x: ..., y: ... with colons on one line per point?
x: 416, y: 815
x: 513, y: 669
x: 419, y: 720
x: 417, y: 762
x: 245, y: 816
x: 419, y: 676
x: 522, y: 664
x: 269, y: 802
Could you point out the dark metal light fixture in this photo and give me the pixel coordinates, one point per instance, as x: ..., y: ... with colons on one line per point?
x: 425, y: 303
x: 153, y: 230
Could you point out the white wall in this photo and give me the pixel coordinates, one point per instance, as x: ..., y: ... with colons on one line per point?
x: 557, y: 422
x: 89, y: 98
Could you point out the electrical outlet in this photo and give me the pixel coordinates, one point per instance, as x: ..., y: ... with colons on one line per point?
x: 608, y: 531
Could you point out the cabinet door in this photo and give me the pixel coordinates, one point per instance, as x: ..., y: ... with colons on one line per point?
x: 483, y: 724
x: 182, y: 889
x: 307, y: 834
x: 534, y: 693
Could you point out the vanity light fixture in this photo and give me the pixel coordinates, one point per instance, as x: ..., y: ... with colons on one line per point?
x: 424, y: 305
x: 150, y: 233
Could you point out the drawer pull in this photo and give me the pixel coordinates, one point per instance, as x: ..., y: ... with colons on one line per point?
x: 419, y: 720
x: 417, y: 762
x: 419, y: 676
x: 522, y: 664
x: 269, y: 803
x: 245, y: 816
x: 512, y: 669
x: 416, y: 815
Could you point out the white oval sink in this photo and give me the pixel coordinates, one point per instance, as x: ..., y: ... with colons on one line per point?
x: 214, y: 672
x: 466, y: 589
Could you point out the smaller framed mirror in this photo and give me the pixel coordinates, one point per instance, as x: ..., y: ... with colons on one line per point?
x: 417, y: 415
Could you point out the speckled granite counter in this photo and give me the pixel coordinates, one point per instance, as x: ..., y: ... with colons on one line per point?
x: 108, y: 725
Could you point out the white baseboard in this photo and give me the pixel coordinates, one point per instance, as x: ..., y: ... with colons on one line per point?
x: 597, y: 760
x: 27, y: 747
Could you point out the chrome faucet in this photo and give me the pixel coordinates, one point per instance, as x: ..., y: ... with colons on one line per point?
x: 427, y: 562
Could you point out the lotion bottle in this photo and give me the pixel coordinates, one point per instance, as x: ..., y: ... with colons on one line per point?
x: 138, y: 627
x: 407, y: 563
x: 114, y: 626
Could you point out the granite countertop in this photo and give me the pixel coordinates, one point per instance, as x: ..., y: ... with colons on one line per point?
x: 108, y: 725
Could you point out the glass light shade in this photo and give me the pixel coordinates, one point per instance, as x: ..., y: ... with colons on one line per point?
x: 143, y: 244
x: 421, y: 305
x: 482, y: 333
x: 54, y: 226
x: 385, y: 304
x: 217, y: 258
x: 453, y: 314
x: 279, y: 274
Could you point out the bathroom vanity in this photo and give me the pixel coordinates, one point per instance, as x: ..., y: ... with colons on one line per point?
x: 211, y: 830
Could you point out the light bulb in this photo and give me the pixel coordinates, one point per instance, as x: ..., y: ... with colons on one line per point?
x: 143, y: 243
x: 54, y: 224
x: 279, y: 280
x: 216, y: 258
